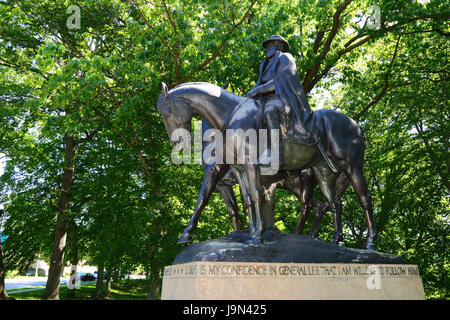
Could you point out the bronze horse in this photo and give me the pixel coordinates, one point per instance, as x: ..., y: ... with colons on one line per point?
x: 342, y: 138
x: 220, y: 179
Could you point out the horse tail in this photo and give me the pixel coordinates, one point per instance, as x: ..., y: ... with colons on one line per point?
x: 363, y: 136
x: 363, y: 145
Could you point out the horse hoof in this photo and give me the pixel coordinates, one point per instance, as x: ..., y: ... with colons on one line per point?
x: 256, y: 239
x: 185, y: 238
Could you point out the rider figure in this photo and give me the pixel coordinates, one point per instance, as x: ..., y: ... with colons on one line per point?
x: 285, y: 104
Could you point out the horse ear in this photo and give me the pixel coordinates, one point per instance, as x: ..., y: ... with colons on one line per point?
x: 165, y: 90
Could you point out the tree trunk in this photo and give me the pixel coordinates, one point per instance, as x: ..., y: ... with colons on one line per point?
x: 59, y: 244
x: 155, y: 288
x: 154, y: 265
x: 74, y: 262
x: 155, y: 281
x: 98, y: 294
x: 115, y: 276
x: 3, y: 294
x: 108, y: 284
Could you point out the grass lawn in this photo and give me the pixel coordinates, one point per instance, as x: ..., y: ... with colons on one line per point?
x: 136, y: 289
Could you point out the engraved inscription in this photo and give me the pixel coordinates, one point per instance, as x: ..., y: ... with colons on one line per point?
x: 219, y: 269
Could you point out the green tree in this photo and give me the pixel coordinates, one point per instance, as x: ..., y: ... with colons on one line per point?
x: 89, y: 159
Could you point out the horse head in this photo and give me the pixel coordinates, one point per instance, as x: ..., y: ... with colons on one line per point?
x: 176, y: 113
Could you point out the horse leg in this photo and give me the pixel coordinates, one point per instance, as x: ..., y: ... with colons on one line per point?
x: 360, y: 186
x: 319, y: 211
x: 212, y: 174
x: 268, y: 204
x: 230, y: 201
x: 338, y: 208
x: 241, y: 177
x: 306, y: 185
x: 342, y: 183
x: 256, y: 194
x: 327, y: 184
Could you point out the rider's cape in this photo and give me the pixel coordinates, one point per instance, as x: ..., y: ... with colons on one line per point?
x: 301, y: 120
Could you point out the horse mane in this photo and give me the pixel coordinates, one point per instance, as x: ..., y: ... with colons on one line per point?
x: 219, y: 98
x: 199, y: 83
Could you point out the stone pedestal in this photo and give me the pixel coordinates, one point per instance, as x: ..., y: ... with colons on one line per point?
x: 209, y: 280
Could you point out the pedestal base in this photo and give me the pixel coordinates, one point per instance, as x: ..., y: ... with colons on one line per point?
x: 291, y: 281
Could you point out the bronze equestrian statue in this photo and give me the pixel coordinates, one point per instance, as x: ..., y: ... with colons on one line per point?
x: 323, y: 140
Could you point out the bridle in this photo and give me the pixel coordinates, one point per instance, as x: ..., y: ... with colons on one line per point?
x: 173, y: 110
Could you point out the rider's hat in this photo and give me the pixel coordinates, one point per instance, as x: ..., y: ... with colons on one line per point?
x: 277, y: 38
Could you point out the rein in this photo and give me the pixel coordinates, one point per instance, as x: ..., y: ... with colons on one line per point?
x: 173, y: 109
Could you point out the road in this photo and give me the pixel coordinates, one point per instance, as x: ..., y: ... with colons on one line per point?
x: 30, y: 282
x: 17, y: 283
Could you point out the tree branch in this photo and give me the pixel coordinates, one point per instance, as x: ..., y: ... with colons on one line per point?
x: 19, y: 67
x: 74, y: 52
x: 318, y: 40
x: 170, y: 19
x: 178, y: 44
x: 419, y: 128
x: 393, y: 27
x: 8, y: 64
x: 89, y: 136
x: 334, y: 28
x: 385, y: 89
x: 326, y: 48
x: 140, y: 155
x: 219, y: 48
x: 311, y: 80
x: 150, y: 26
